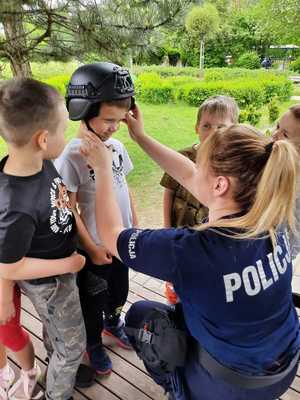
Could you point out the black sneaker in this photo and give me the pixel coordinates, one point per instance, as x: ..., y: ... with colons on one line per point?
x: 85, y: 376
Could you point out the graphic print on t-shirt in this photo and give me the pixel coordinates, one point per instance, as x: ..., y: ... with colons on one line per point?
x: 61, y: 215
x: 117, y: 169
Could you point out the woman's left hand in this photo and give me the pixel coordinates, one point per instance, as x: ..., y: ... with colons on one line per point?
x: 98, y: 155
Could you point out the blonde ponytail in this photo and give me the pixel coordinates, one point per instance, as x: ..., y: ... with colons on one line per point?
x: 267, y: 180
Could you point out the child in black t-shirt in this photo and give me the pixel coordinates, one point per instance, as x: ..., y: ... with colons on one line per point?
x: 37, y: 240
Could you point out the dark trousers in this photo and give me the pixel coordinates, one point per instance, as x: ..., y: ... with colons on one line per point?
x: 103, y: 291
x: 193, y: 382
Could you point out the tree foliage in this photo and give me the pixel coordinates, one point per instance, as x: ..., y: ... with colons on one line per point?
x: 202, y: 22
x: 67, y: 28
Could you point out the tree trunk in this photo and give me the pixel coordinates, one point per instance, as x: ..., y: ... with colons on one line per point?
x: 16, y: 42
x: 201, y: 59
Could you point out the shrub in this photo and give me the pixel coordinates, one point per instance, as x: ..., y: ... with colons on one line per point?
x: 151, y: 88
x: 245, y: 93
x: 248, y: 60
x: 166, y: 71
x: 295, y: 65
x: 251, y: 115
x: 273, y: 108
x: 278, y: 86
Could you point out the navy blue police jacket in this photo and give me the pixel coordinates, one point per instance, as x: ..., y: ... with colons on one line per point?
x: 236, y: 294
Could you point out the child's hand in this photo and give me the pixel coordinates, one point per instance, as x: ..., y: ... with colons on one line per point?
x: 7, y: 311
x: 135, y: 123
x: 77, y: 262
x: 100, y: 256
x: 98, y: 155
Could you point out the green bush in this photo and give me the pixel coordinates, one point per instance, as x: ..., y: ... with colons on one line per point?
x: 273, y: 109
x: 151, y: 88
x: 166, y: 71
x: 219, y: 74
x: 245, y: 93
x: 295, y: 65
x: 257, y: 90
x: 279, y: 87
x: 248, y: 60
x: 251, y: 115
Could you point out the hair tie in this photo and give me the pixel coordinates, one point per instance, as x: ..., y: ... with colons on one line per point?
x: 269, y: 148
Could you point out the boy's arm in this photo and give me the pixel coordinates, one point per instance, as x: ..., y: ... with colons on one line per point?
x: 167, y: 207
x: 35, y: 268
x: 98, y: 254
x: 7, y: 307
x: 135, y: 221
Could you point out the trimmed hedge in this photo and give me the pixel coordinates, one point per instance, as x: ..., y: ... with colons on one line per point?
x: 152, y: 88
x: 166, y: 71
x: 216, y: 74
x: 245, y: 93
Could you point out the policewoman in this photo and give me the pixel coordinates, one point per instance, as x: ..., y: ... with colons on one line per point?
x: 233, y: 274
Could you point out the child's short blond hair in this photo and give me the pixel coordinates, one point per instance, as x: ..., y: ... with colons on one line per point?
x: 220, y: 105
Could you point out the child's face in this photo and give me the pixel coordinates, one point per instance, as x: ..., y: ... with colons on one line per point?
x: 56, y: 140
x: 108, y: 121
x: 288, y: 127
x: 209, y: 123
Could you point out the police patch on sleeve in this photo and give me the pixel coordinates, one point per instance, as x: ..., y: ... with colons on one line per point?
x: 132, y: 243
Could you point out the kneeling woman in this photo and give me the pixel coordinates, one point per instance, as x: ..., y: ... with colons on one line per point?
x: 233, y: 275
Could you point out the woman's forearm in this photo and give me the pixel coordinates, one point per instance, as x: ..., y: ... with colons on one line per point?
x: 175, y: 164
x: 108, y: 216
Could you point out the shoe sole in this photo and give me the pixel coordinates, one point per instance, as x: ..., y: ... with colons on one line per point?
x: 98, y: 372
x: 118, y: 341
x: 103, y: 373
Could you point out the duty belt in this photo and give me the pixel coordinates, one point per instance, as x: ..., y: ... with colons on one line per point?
x: 229, y: 375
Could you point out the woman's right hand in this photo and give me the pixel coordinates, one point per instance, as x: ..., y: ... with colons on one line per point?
x: 97, y: 155
x: 77, y: 262
x: 135, y: 123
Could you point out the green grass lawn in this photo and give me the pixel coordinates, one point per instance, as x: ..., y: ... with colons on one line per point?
x: 173, y: 125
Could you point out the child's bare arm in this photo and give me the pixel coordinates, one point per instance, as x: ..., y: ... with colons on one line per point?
x: 98, y: 254
x: 135, y: 221
x: 167, y: 207
x: 34, y: 268
x: 7, y: 308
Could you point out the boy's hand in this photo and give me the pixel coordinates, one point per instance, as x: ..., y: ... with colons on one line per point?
x: 98, y: 155
x: 7, y: 311
x: 77, y: 262
x: 100, y: 256
x: 135, y: 123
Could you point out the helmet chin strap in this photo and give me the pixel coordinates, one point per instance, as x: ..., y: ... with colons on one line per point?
x: 89, y: 126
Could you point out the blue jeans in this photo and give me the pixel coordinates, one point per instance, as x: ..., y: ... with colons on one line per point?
x: 193, y: 382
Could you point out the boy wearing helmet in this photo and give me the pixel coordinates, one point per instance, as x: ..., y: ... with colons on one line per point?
x: 99, y: 95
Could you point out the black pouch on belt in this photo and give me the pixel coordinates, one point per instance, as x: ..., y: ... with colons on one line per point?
x: 161, y: 340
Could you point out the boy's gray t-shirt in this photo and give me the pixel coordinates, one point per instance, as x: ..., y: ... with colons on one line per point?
x: 79, y: 178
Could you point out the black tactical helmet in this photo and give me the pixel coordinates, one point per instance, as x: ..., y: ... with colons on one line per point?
x: 93, y: 83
